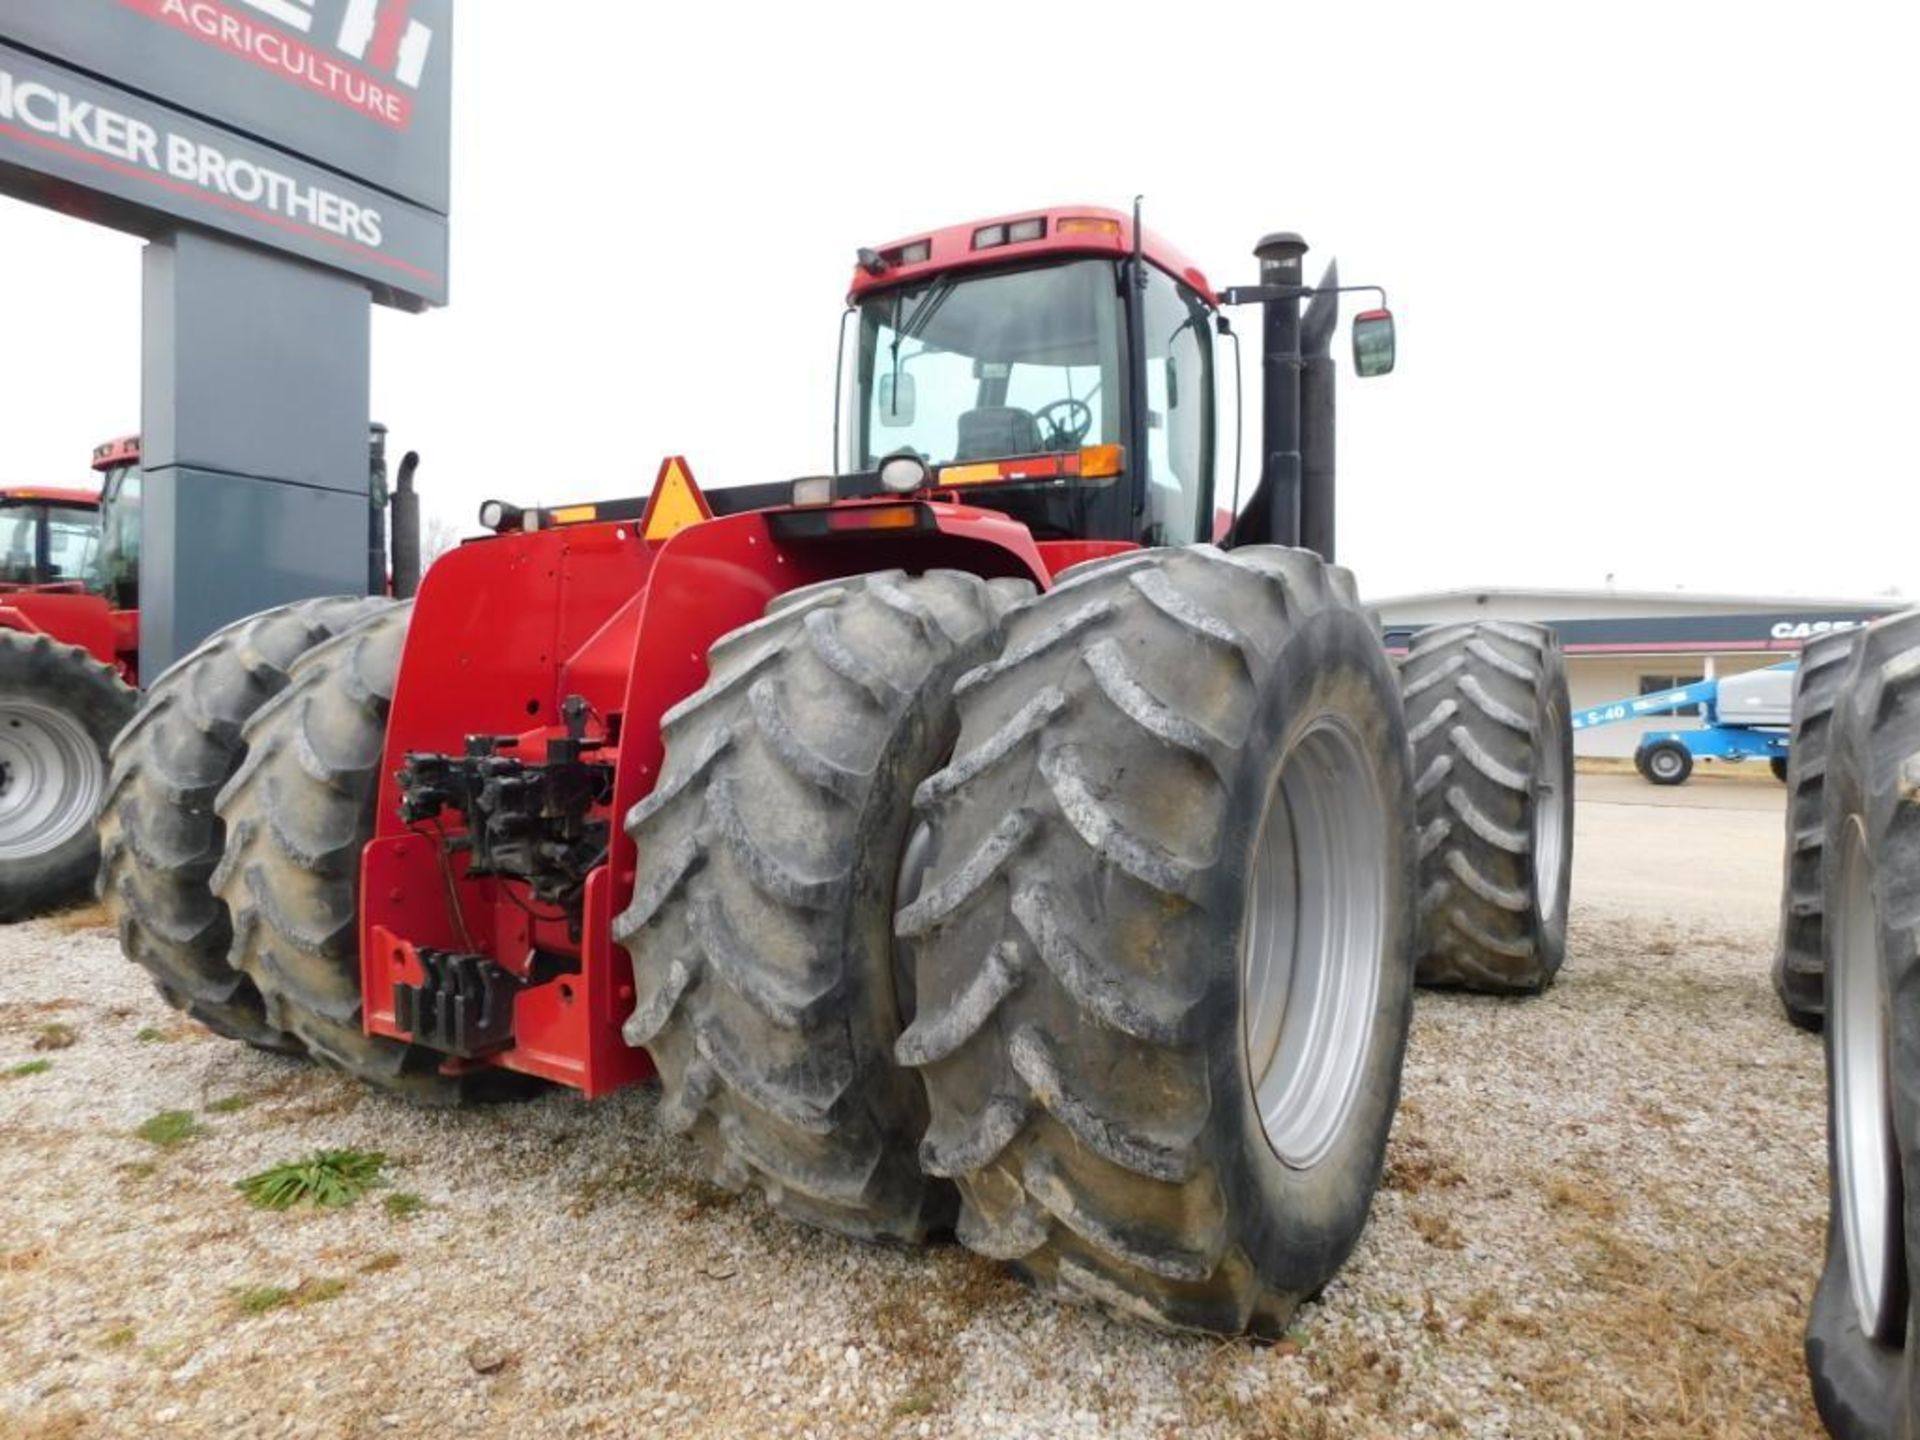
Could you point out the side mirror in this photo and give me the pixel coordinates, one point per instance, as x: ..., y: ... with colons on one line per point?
x: 896, y: 400
x: 1373, y: 343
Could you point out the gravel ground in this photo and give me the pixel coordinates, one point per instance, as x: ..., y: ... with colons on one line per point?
x: 1602, y: 1217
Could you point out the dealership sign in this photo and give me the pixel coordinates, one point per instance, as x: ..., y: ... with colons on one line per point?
x: 318, y: 127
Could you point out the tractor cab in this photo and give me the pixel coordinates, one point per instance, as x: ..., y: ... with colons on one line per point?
x: 1002, y: 354
x: 118, y: 570
x: 1076, y: 372
x: 49, y: 536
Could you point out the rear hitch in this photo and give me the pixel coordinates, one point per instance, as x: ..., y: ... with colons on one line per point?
x: 463, y: 1005
x: 526, y: 820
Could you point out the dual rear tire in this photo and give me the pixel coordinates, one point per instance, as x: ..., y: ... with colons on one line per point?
x: 1489, y: 718
x: 1863, y: 1326
x: 1162, y: 953
x: 1093, y: 916
x: 1799, y: 968
x: 159, y: 834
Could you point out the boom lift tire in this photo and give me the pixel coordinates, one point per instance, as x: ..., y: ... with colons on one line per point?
x: 1666, y: 762
x: 761, y: 927
x: 59, y: 711
x: 1166, y: 936
x: 159, y: 836
x: 297, y: 814
x: 1799, y: 971
x: 1863, y: 1322
x: 1488, y: 714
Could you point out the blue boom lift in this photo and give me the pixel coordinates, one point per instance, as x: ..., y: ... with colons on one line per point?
x: 1748, y: 718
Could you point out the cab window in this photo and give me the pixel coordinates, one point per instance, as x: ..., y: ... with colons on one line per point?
x: 1180, y: 398
x: 988, y: 365
x: 19, y: 544
x: 73, y: 545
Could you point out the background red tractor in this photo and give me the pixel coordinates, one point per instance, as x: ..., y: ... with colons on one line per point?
x: 965, y: 841
x: 69, y: 655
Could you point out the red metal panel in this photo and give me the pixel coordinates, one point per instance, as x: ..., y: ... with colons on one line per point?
x: 952, y: 249
x: 1057, y: 555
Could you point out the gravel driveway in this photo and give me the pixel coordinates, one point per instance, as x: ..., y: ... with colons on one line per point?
x: 1603, y: 1216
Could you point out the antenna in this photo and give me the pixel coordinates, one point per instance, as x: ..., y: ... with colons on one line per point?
x: 1139, y: 245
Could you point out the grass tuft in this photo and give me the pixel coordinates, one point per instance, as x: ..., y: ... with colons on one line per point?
x: 403, y: 1204
x: 260, y: 1299
x: 326, y: 1178
x: 169, y: 1128
x: 228, y: 1104
x: 29, y: 1067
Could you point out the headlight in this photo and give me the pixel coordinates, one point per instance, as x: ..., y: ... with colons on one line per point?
x: 499, y: 517
x: 904, y: 474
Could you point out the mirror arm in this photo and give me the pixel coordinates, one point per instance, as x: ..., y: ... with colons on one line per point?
x: 1261, y: 294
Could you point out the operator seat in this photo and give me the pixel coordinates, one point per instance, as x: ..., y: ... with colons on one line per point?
x: 996, y: 430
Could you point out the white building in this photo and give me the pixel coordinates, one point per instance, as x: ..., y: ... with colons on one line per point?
x: 1629, y: 642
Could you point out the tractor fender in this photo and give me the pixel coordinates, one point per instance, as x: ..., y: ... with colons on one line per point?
x: 71, y: 618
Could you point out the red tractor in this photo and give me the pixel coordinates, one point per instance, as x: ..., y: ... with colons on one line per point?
x: 989, y: 837
x: 69, y: 652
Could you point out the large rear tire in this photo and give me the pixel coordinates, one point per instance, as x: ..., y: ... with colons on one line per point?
x: 297, y: 813
x: 761, y: 927
x: 159, y: 836
x: 1163, y: 952
x: 59, y: 711
x: 1488, y: 715
x: 1799, y: 972
x: 1863, y: 1323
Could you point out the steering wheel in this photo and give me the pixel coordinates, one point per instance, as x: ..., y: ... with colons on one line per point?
x: 1065, y: 433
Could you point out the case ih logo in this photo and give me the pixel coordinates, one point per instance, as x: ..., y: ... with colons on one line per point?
x: 373, y: 56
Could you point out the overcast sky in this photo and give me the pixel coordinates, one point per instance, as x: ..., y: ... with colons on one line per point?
x: 1653, y: 264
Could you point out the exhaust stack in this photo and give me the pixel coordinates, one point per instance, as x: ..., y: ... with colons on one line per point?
x: 406, y: 529
x: 1280, y: 461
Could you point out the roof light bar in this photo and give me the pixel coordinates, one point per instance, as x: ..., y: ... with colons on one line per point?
x: 1010, y: 232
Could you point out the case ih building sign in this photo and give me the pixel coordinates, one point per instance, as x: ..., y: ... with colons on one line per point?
x: 318, y: 127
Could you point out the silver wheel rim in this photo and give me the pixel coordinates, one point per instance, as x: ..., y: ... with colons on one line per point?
x: 1312, y: 953
x: 1665, y: 762
x: 1868, y: 1181
x: 1549, y: 820
x: 51, y: 779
